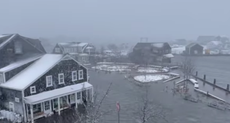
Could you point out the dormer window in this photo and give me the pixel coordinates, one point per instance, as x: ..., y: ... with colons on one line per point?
x: 18, y: 47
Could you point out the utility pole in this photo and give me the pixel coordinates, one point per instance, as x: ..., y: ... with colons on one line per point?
x: 118, y: 112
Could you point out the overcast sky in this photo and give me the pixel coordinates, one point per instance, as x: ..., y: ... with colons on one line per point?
x: 115, y: 18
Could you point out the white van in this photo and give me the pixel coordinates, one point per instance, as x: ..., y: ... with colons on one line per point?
x: 196, y: 85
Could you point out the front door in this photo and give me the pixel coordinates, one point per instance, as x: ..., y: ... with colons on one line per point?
x: 47, y: 107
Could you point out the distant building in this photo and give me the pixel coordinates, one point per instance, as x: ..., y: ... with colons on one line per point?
x: 205, y: 39
x: 213, y: 45
x: 151, y: 52
x: 78, y: 50
x: 194, y: 49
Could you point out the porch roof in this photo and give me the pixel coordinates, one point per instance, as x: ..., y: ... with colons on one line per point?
x: 48, y: 95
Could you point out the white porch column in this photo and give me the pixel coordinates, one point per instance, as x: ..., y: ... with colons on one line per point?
x: 31, y: 113
x: 92, y: 96
x: 76, y: 99
x: 81, y: 96
x: 59, y: 110
x: 86, y: 95
x: 50, y: 105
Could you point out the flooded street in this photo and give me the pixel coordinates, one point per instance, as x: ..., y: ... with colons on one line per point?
x: 128, y: 94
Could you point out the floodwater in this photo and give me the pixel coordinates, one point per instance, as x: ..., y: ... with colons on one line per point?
x: 215, y: 67
x: 178, y: 110
x: 128, y: 94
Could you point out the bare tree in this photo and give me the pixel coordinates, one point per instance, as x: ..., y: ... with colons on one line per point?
x: 148, y: 111
x: 93, y: 112
x: 187, y: 68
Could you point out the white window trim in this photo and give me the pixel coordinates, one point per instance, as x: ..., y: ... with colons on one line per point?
x: 59, y: 78
x: 79, y: 73
x: 16, y: 99
x: 73, y: 75
x: 33, y: 88
x: 47, y: 84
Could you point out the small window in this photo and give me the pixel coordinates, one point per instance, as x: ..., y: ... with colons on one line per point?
x: 32, y: 89
x: 57, y: 50
x: 1, y: 78
x: 80, y: 73
x: 78, y: 95
x: 61, y: 78
x: 17, y: 99
x: 11, y: 106
x: 49, y: 81
x: 74, y: 75
x: 47, y: 105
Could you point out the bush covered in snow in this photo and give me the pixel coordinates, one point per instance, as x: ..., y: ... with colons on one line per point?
x: 11, y: 116
x: 151, y: 78
x: 112, y: 68
x: 152, y: 69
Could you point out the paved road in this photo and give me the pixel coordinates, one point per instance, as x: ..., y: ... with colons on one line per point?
x: 128, y: 94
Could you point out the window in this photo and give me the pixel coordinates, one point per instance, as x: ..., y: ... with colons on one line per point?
x: 32, y: 89
x: 57, y: 50
x: 11, y: 106
x: 80, y: 73
x: 47, y: 105
x: 1, y: 78
x: 49, y: 81
x: 74, y: 75
x: 78, y: 95
x: 61, y: 78
x: 16, y: 99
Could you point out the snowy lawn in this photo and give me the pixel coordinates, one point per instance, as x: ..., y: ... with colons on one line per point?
x: 152, y: 70
x: 147, y: 70
x: 112, y: 68
x: 151, y: 78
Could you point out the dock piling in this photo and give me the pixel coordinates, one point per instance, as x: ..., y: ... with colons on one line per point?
x: 196, y: 75
x: 204, y: 77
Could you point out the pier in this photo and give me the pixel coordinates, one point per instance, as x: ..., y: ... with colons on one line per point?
x: 212, y: 88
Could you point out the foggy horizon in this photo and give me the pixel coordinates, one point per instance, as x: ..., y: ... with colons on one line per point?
x: 129, y: 19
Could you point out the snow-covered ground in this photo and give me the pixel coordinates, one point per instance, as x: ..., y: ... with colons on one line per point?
x: 10, y: 116
x: 112, y: 68
x: 152, y: 70
x: 147, y: 70
x: 151, y: 78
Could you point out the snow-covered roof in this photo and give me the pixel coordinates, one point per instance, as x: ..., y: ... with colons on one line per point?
x: 33, y: 72
x: 83, y: 54
x: 7, y: 41
x: 41, y: 97
x: 19, y: 63
x: 169, y: 55
x: 158, y: 45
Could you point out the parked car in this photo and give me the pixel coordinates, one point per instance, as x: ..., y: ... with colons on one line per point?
x: 196, y: 85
